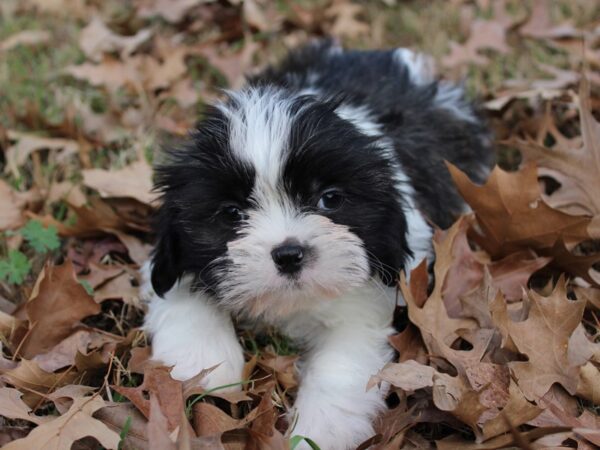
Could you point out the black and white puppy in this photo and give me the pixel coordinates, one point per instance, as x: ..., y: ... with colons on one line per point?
x: 296, y: 202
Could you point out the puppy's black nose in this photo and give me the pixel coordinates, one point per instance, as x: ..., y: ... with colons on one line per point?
x: 288, y: 256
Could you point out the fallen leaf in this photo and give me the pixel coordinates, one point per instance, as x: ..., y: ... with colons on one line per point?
x: 540, y: 25
x: 169, y: 394
x: 60, y: 304
x: 157, y: 428
x: 173, y: 11
x: 261, y: 15
x: 345, y: 21
x: 511, y: 274
x: 134, y: 181
x: 544, y: 338
x: 518, y: 408
x: 484, y: 34
x: 96, y: 39
x: 27, y: 38
x: 34, y: 382
x: 116, y: 415
x: 63, y: 397
x: 17, y: 154
x: 579, y: 167
x: 513, y: 216
x: 12, y: 205
x: 432, y: 318
x: 12, y: 407
x: 110, y: 73
x: 62, y: 432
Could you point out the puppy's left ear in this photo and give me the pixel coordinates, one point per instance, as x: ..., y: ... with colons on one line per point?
x: 392, y: 250
x: 166, y: 266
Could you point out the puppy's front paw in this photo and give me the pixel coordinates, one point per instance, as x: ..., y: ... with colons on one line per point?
x: 331, y: 428
x: 195, y: 357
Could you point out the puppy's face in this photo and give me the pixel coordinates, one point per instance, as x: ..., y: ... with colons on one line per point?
x: 278, y: 202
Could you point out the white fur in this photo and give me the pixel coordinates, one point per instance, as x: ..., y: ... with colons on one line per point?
x: 347, y: 341
x: 421, y: 67
x: 451, y: 97
x: 191, y: 334
x: 260, y: 122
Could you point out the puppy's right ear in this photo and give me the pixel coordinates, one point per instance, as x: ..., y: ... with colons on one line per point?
x: 166, y: 265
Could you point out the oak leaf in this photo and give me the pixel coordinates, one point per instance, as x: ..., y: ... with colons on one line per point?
x: 96, y: 39
x: 134, y: 180
x: 35, y: 382
x: 512, y: 214
x: 60, y: 304
x: 168, y: 391
x: 13, y: 204
x: 12, y: 407
x: 62, y: 432
x: 575, y: 169
x: 544, y: 338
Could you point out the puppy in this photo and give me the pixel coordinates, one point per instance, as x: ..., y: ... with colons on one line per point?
x: 296, y: 202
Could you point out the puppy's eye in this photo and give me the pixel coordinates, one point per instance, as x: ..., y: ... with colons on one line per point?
x: 233, y: 213
x: 330, y: 200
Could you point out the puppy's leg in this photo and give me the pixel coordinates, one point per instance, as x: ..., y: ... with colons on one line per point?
x: 191, y: 334
x: 333, y: 406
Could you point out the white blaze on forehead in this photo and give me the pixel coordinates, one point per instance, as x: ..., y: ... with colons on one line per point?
x: 260, y: 121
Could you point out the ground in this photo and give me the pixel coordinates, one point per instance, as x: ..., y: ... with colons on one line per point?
x: 501, y: 352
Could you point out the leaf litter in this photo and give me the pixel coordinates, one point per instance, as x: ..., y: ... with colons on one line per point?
x: 498, y: 350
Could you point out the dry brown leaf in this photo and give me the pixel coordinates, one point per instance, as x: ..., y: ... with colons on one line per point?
x: 96, y: 39
x: 173, y: 11
x: 212, y: 421
x: 409, y: 345
x: 134, y: 181
x: 232, y: 66
x: 512, y: 273
x: 263, y: 433
x: 119, y: 288
x: 12, y: 205
x: 449, y: 393
x: 345, y: 19
x: 561, y: 79
x: 484, y: 34
x: 262, y: 15
x: 513, y: 216
x: 436, y: 327
x: 588, y: 386
x: 110, y: 73
x: 518, y: 408
x: 12, y: 407
x: 27, y: 38
x: 17, y: 154
x: 168, y: 392
x: 465, y: 272
x: 157, y: 428
x: 63, y: 354
x: 540, y: 25
x: 544, y: 338
x: 283, y: 367
x: 64, y: 396
x: 576, y: 169
x: 408, y: 375
x: 60, y: 304
x: 66, y: 191
x: 62, y: 432
x: 116, y: 415
x: 35, y: 382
